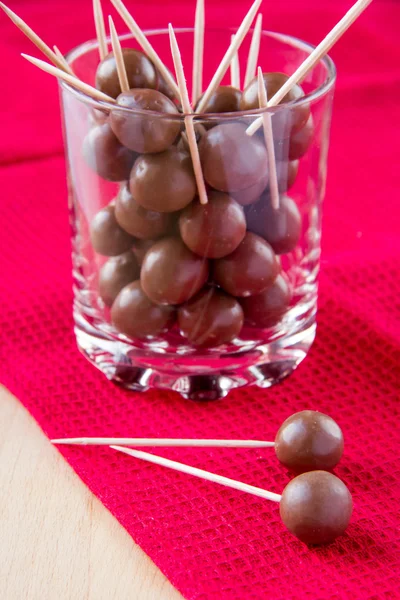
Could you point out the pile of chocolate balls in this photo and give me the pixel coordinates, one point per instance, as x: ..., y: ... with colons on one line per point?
x: 207, y: 268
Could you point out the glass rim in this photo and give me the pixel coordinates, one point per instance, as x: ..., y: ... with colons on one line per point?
x: 312, y: 96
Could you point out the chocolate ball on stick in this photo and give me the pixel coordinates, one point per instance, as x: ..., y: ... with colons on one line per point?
x: 171, y: 273
x: 140, y: 71
x: 134, y: 315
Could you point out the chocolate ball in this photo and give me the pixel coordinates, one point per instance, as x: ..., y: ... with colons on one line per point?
x: 163, y: 182
x: 164, y: 88
x: 225, y: 99
x: 134, y: 315
x: 280, y: 227
x: 140, y: 248
x: 138, y: 221
x: 171, y: 273
x: 211, y: 318
x: 301, y: 140
x: 309, y: 440
x: 297, y: 115
x: 249, y: 270
x: 105, y: 155
x: 287, y: 173
x: 139, y: 69
x: 316, y: 507
x: 252, y: 193
x: 143, y: 132
x: 107, y: 237
x: 267, y: 309
x: 115, y: 274
x: 214, y: 229
x: 231, y: 159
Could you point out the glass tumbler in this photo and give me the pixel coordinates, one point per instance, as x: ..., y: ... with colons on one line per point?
x: 198, y: 298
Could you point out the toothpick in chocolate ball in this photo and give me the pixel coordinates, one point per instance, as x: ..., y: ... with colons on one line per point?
x: 231, y: 159
x: 138, y: 221
x: 138, y: 128
x: 140, y: 71
x: 105, y: 155
x: 280, y: 227
x: 249, y: 270
x: 298, y: 115
x: 213, y: 230
x: 316, y: 507
x: 106, y: 235
x: 309, y: 440
x: 134, y: 315
x: 163, y: 182
x: 211, y: 318
x: 171, y: 273
x: 115, y: 274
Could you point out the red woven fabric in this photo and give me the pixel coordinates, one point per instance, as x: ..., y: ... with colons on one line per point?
x: 213, y: 542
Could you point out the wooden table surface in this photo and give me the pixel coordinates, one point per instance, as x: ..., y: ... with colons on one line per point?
x: 57, y: 541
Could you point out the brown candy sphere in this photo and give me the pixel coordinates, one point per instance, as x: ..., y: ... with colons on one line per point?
x: 301, y: 140
x: 309, y: 440
x: 140, y: 248
x: 163, y: 182
x: 225, y: 99
x: 107, y: 237
x: 267, y: 309
x: 145, y: 132
x: 171, y: 273
x: 273, y: 82
x: 252, y: 193
x: 115, y: 274
x: 139, y: 69
x: 231, y: 159
x: 316, y: 507
x: 134, y: 315
x: 249, y: 270
x: 138, y: 221
x: 105, y: 155
x: 280, y: 227
x: 214, y: 229
x: 211, y: 318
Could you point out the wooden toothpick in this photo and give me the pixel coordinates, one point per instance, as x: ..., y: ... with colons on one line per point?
x: 119, y: 57
x: 61, y: 57
x: 198, y: 51
x: 71, y: 79
x: 145, y: 45
x: 234, y: 47
x: 100, y: 29
x: 183, y: 468
x: 235, y: 70
x: 39, y: 43
x: 319, y: 52
x: 163, y: 442
x: 269, y: 141
x: 188, y: 111
x: 252, y: 59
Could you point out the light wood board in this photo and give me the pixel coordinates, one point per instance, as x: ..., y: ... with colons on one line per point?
x: 57, y: 541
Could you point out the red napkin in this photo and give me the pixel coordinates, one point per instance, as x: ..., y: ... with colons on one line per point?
x: 213, y: 542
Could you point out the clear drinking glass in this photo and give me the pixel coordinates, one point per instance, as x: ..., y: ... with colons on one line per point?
x: 213, y: 324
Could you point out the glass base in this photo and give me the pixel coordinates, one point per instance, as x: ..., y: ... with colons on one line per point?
x: 203, y: 379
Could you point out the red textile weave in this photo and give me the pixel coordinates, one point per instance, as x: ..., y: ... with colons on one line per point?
x: 213, y: 542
